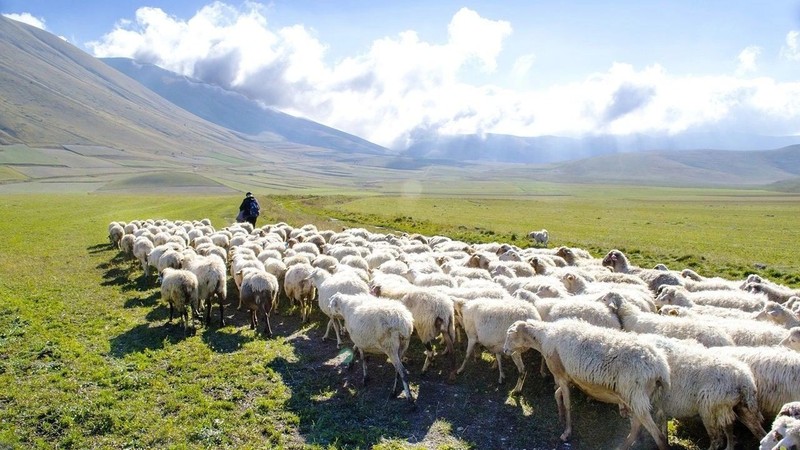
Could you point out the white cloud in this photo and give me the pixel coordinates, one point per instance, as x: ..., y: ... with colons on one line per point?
x: 747, y: 59
x: 403, y: 88
x: 28, y: 18
x: 791, y: 50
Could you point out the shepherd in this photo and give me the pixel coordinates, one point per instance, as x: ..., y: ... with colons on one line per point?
x: 249, y: 210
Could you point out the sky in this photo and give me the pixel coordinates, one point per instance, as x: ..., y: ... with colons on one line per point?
x: 394, y: 72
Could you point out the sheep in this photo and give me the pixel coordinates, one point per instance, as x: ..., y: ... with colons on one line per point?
x: 180, y: 289
x: 142, y: 246
x: 776, y: 371
x: 776, y: 438
x: 611, y: 366
x: 696, y: 282
x: 632, y: 319
x: 299, y: 289
x: 779, y: 314
x: 115, y: 233
x: 585, y: 308
x: 239, y: 263
x: 618, y: 262
x: 382, y: 326
x: 544, y: 286
x: 639, y: 295
x: 433, y: 315
x: 486, y: 321
x: 743, y: 301
x: 539, y: 237
x: 774, y: 292
x: 258, y: 293
x: 685, y: 307
x: 126, y: 244
x: 327, y: 284
x: 212, y: 282
x: 718, y: 389
x: 792, y: 340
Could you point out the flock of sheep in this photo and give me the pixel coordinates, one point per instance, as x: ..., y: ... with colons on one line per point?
x: 659, y: 343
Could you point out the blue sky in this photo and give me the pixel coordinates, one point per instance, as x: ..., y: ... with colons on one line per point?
x: 394, y: 71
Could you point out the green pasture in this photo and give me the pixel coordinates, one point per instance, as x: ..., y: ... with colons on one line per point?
x: 87, y: 361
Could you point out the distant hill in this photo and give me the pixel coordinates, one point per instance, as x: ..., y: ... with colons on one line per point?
x: 551, y: 149
x: 677, y: 168
x: 236, y: 112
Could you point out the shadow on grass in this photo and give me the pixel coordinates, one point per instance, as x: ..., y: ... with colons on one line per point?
x: 224, y: 341
x: 144, y: 337
x: 143, y: 301
x: 99, y: 248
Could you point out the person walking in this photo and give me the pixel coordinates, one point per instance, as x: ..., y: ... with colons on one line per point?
x: 249, y: 210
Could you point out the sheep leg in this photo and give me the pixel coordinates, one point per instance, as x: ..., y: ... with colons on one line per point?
x: 253, y: 319
x: 543, y: 368
x: 470, y: 348
x: 499, y: 358
x: 171, y: 309
x: 645, y: 419
x: 395, y: 358
x: 517, y: 358
x: 752, y: 420
x: 563, y: 393
x: 336, y: 330
x: 208, y: 313
x: 447, y: 335
x: 221, y: 314
x: 267, y: 327
x: 365, y: 378
x: 428, y: 357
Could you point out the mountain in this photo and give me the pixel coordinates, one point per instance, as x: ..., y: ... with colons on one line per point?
x: 679, y: 168
x: 236, y: 112
x: 552, y: 149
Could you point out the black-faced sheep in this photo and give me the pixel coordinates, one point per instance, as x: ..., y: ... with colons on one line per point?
x: 608, y: 365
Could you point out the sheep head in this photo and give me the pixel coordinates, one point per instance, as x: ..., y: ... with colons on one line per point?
x: 522, y: 335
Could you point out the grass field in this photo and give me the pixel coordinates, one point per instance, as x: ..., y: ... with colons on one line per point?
x: 87, y: 361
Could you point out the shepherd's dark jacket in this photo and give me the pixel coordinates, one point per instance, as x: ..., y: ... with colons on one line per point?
x: 245, y: 206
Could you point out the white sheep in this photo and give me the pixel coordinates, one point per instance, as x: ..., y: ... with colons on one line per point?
x: 212, y: 282
x: 126, y: 244
x: 539, y: 237
x: 259, y: 294
x: 776, y: 371
x: 632, y: 319
x: 142, y: 246
x: 608, y: 365
x: 637, y: 294
x: 485, y: 322
x: 180, y: 289
x: 618, y: 262
x: 776, y: 438
x: 299, y: 289
x: 718, y: 389
x: 743, y: 301
x: 115, y: 233
x: 433, y: 315
x: 327, y: 284
x: 778, y: 314
x: 681, y: 305
x: 774, y: 292
x: 381, y: 326
x: 792, y: 340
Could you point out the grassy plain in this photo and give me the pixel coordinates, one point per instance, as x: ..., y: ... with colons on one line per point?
x: 88, y: 362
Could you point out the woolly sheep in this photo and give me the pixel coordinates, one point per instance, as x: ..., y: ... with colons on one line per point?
x: 776, y: 438
x: 539, y: 237
x: 632, y: 319
x: 259, y: 294
x: 608, y: 365
x: 485, y: 322
x: 792, y: 340
x: 718, y: 389
x: 115, y: 233
x: 180, y: 289
x: 776, y: 371
x: 382, y: 327
x: 433, y: 316
x: 212, y: 282
x: 126, y: 244
x: 744, y: 301
x: 299, y: 289
x: 585, y: 308
x: 636, y: 294
x: 778, y: 314
x: 142, y: 246
x: 774, y: 292
x: 327, y: 284
x: 618, y: 262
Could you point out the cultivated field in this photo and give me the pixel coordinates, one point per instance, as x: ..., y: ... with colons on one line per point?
x: 87, y: 361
